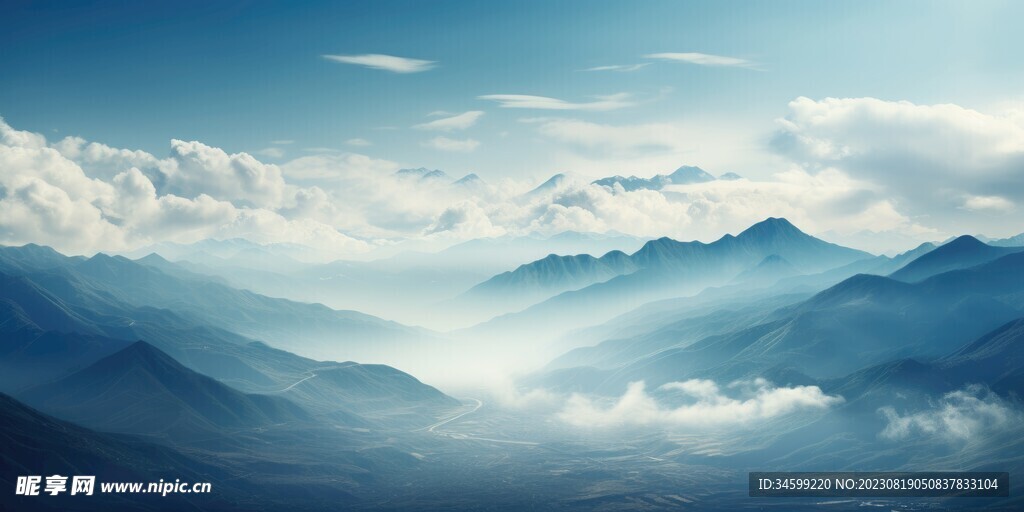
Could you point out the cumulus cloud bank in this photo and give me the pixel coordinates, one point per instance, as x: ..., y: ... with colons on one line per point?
x: 968, y: 414
x: 83, y: 197
x: 708, y: 405
x: 929, y: 157
x: 898, y: 169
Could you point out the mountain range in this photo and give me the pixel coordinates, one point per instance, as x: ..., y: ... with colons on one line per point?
x: 662, y: 268
x: 862, y: 321
x: 141, y: 390
x: 57, y: 320
x: 104, y: 284
x: 682, y: 176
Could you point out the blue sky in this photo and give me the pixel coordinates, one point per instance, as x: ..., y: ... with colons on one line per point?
x: 872, y: 123
x: 240, y: 75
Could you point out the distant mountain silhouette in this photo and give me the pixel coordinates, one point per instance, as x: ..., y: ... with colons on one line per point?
x: 470, y: 180
x: 667, y: 268
x: 771, y: 269
x: 422, y: 173
x: 1013, y: 241
x: 554, y: 274
x: 552, y: 183
x: 863, y: 321
x: 689, y: 174
x: 105, y: 284
x: 79, y: 317
x: 681, y: 176
x: 963, y: 252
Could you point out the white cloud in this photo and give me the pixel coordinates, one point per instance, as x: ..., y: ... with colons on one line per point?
x: 708, y: 406
x: 624, y: 68
x: 18, y: 138
x: 454, y: 145
x: 988, y: 203
x: 358, y: 142
x: 464, y: 219
x: 334, y: 166
x: 282, y: 142
x: 195, y: 168
x: 600, y: 103
x: 102, y: 161
x: 73, y: 196
x: 36, y: 211
x: 968, y: 414
x: 385, y: 62
x: 701, y: 59
x: 824, y: 190
x: 942, y: 161
x: 611, y: 138
x: 456, y: 122
x: 271, y: 152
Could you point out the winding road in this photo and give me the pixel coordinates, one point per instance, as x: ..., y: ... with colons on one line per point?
x: 455, y: 435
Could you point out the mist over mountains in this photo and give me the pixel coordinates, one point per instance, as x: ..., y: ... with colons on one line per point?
x: 680, y: 348
x: 491, y: 256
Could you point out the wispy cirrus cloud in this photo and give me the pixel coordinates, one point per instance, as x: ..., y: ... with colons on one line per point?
x: 453, y: 145
x: 622, y: 68
x: 456, y: 122
x: 702, y: 59
x: 385, y: 62
x: 358, y: 141
x: 600, y: 103
x: 271, y: 152
x: 609, y: 138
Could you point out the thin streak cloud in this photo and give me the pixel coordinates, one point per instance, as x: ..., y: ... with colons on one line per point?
x: 702, y: 59
x: 622, y: 68
x: 456, y: 122
x: 385, y: 62
x: 600, y: 103
x: 452, y: 145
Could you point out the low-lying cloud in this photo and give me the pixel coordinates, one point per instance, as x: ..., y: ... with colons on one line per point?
x: 707, y: 405
x: 967, y: 414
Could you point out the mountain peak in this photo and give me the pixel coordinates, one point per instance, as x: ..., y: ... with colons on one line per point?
x: 551, y: 184
x: 468, y: 179
x: 421, y: 172
x: 689, y: 174
x: 772, y: 226
x: 962, y: 252
x: 143, y: 354
x: 965, y: 242
x: 153, y: 258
